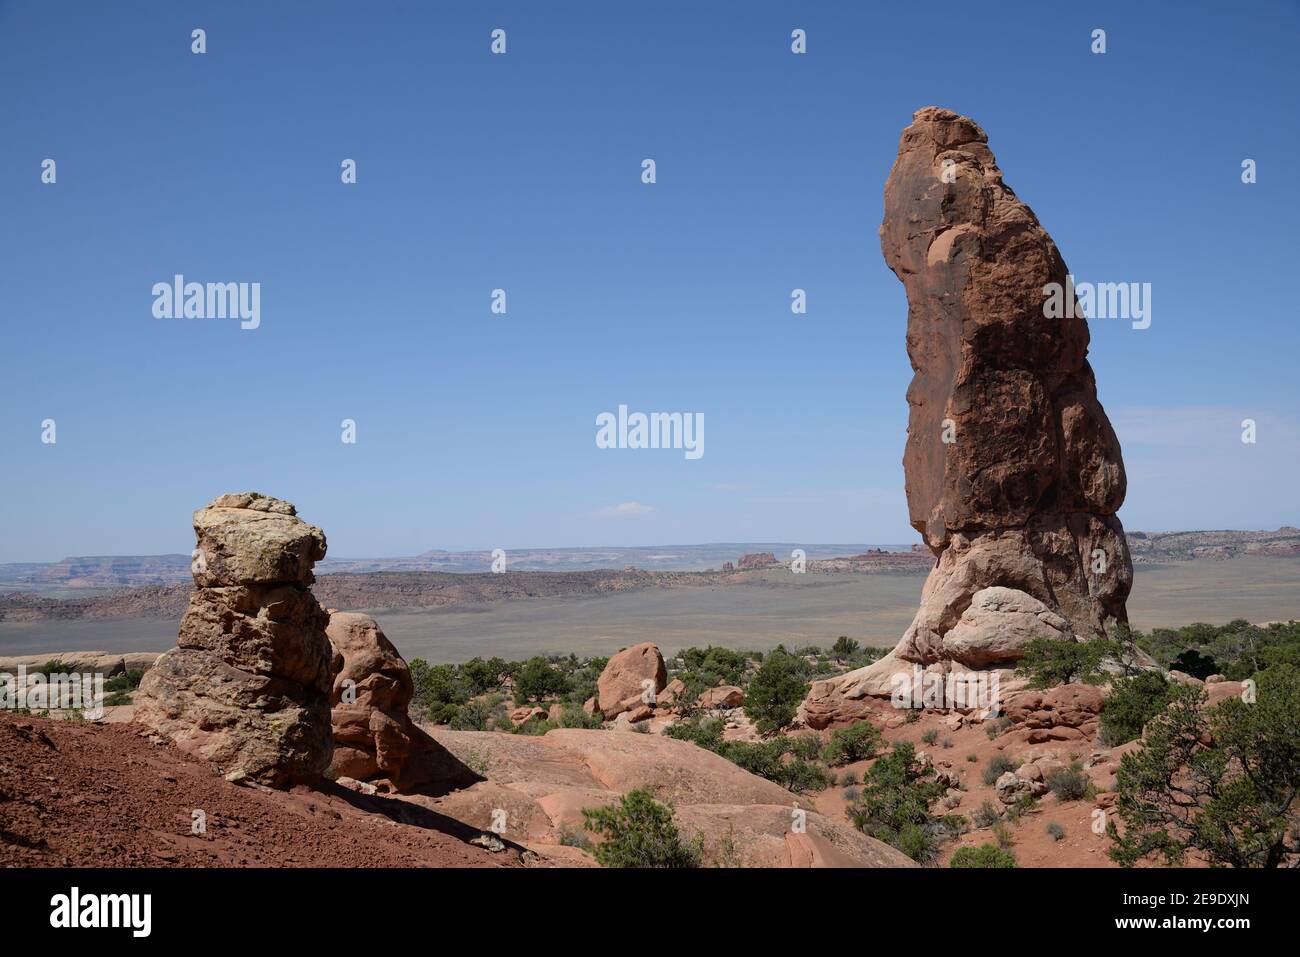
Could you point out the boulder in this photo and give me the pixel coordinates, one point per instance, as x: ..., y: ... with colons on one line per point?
x: 723, y: 696
x: 375, y: 739
x: 248, y: 685
x: 1067, y: 711
x: 543, y: 783
x: 632, y: 677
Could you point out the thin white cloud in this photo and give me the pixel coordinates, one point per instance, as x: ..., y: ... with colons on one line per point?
x: 623, y: 510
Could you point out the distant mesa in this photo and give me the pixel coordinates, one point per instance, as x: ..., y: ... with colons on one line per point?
x: 756, y: 560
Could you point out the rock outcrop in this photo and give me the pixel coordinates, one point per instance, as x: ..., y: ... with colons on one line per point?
x: 1014, y: 474
x: 375, y: 739
x: 543, y: 783
x: 628, y: 679
x: 247, y: 686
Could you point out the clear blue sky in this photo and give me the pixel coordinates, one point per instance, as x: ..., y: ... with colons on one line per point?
x: 523, y: 172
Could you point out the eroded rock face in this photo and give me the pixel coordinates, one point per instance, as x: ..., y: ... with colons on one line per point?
x: 1014, y: 473
x: 374, y: 736
x: 247, y: 686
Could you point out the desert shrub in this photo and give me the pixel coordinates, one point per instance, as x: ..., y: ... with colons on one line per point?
x: 998, y: 765
x: 472, y: 716
x: 1131, y: 703
x: 848, y: 779
x: 572, y: 838
x: 894, y: 805
x: 705, y: 732
x: 1068, y: 784
x: 436, y: 685
x: 1221, y: 781
x: 806, y: 746
x: 931, y: 736
x: 986, y: 815
x: 539, y: 678
x: 1024, y: 804
x: 995, y: 727
x: 986, y: 855
x: 851, y: 794
x: 764, y: 758
x: 640, y: 832
x: 1048, y: 662
x: 972, y: 758
x: 946, y: 743
x: 712, y: 666
x: 844, y: 647
x: 574, y: 717
x: 1055, y: 831
x: 776, y: 690
x: 1002, y: 832
x: 857, y: 742
x: 481, y: 676
x: 445, y: 714
x: 116, y: 698
x: 127, y: 681
x: 55, y: 666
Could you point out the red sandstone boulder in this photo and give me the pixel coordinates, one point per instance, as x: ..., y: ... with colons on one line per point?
x: 374, y: 736
x: 633, y: 677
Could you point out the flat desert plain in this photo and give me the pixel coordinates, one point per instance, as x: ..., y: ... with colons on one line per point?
x: 768, y: 609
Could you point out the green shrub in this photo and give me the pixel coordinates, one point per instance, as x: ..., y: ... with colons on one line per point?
x: 894, y: 805
x: 472, y: 716
x: 995, y: 727
x: 986, y: 855
x: 931, y: 736
x: 1055, y: 831
x: 776, y: 691
x: 857, y: 742
x: 998, y: 765
x: 807, y: 747
x: 1222, y: 781
x: 1048, y: 662
x: 640, y: 832
x: 1132, y: 702
x: 705, y: 732
x: 986, y: 815
x: 1068, y: 784
x: 127, y: 681
x: 539, y: 678
x: 844, y: 647
x: 1002, y: 831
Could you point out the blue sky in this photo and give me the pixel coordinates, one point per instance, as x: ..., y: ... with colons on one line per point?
x: 522, y: 172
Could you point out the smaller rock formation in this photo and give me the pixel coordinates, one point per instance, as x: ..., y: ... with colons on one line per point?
x: 247, y: 686
x: 375, y: 739
x: 624, y: 683
x: 723, y: 696
x: 756, y: 560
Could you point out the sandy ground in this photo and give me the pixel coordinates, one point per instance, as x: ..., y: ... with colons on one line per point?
x: 88, y: 794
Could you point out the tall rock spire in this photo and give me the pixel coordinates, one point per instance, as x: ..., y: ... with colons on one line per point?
x: 1014, y: 474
